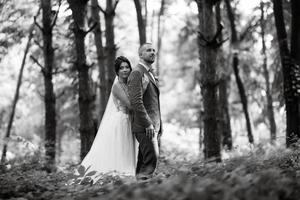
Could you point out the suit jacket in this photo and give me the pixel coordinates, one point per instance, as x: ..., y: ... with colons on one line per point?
x: 144, y: 98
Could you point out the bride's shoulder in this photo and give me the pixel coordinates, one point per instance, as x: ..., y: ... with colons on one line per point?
x: 116, y: 87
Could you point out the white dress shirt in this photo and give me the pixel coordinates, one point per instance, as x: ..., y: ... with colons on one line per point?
x: 148, y: 69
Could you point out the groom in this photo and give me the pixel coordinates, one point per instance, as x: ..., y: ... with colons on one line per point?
x: 144, y: 98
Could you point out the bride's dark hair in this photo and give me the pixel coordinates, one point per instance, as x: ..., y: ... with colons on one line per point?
x: 119, y: 60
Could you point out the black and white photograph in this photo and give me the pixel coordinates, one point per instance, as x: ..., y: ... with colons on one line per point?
x: 150, y: 99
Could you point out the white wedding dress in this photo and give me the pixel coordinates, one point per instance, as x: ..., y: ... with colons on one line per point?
x: 114, y: 148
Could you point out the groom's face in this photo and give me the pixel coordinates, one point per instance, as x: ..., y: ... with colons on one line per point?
x: 147, y: 53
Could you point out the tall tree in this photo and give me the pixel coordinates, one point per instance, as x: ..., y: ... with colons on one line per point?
x: 141, y: 21
x: 100, y: 56
x: 109, y: 15
x: 208, y: 51
x: 235, y: 63
x: 295, y: 34
x: 159, y: 34
x: 86, y: 95
x: 17, y: 92
x: 224, y: 123
x: 295, y: 53
x: 270, y: 109
x: 288, y: 69
x: 49, y: 98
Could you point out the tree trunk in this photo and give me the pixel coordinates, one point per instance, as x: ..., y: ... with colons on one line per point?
x: 270, y: 109
x: 49, y: 99
x: 100, y: 57
x: 141, y: 21
x: 110, y: 44
x: 208, y: 70
x: 59, y: 148
x: 146, y: 13
x: 295, y: 33
x: 295, y: 54
x: 16, y: 97
x: 291, y: 100
x: 242, y: 96
x: 159, y: 35
x: 86, y: 96
x: 235, y: 63
x: 225, y: 127
x: 2, y: 112
x: 224, y: 123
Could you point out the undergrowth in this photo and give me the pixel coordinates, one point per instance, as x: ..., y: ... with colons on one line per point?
x: 264, y: 173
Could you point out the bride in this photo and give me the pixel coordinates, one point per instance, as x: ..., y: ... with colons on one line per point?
x: 114, y: 148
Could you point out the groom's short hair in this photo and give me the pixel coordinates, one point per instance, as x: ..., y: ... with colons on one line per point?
x: 142, y: 47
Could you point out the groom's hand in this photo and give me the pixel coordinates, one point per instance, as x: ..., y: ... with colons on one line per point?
x: 150, y: 131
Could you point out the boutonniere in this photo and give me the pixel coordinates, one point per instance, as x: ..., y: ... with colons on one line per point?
x: 145, y: 82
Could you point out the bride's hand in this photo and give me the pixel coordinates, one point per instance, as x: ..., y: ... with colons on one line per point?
x: 150, y: 132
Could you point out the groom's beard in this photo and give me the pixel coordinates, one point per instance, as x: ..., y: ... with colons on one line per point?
x: 150, y: 61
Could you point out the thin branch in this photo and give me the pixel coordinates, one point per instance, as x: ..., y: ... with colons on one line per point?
x: 59, y: 71
x: 79, y: 29
x: 40, y: 94
x: 225, y: 40
x: 91, y: 28
x: 55, y: 48
x: 102, y: 10
x: 39, y: 64
x: 60, y: 94
x: 202, y: 37
x: 37, y: 24
x: 220, y: 43
x: 218, y: 33
x: 116, y: 3
x: 56, y: 14
x: 38, y: 44
x: 92, y: 65
x: 248, y: 28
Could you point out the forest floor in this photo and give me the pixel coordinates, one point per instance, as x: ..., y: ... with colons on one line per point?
x: 264, y: 173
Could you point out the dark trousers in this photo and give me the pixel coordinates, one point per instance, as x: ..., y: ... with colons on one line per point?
x: 147, y: 155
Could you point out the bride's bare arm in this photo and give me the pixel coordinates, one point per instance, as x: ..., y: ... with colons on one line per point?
x: 119, y: 93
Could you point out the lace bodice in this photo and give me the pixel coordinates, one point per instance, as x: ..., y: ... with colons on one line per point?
x: 119, y: 104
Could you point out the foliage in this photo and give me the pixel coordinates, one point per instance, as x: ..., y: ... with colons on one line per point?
x: 82, y: 177
x: 266, y: 172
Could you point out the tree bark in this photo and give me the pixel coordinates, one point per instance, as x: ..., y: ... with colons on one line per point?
x: 270, y: 109
x: 49, y: 98
x: 242, y: 96
x: 86, y: 96
x: 290, y: 95
x: 2, y: 112
x: 225, y: 127
x: 295, y: 33
x: 100, y: 57
x: 110, y: 43
x: 208, y: 80
x: 235, y: 63
x: 141, y: 21
x: 159, y: 35
x: 295, y: 53
x: 224, y: 123
x: 16, y: 96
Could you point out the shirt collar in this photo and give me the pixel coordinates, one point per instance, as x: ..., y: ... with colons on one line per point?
x: 145, y: 66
